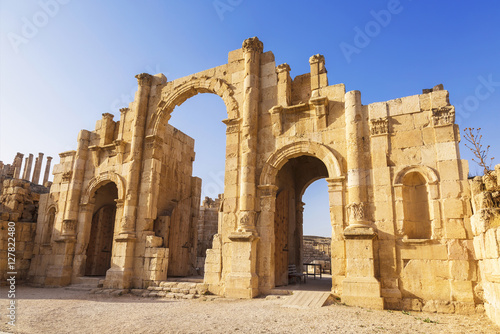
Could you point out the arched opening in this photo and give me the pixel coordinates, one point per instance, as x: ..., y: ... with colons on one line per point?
x: 99, y: 248
x: 317, y: 228
x: 49, y: 226
x: 202, y: 155
x: 292, y: 180
x: 417, y: 222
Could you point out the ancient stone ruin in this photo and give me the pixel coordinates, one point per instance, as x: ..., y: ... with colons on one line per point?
x: 125, y: 206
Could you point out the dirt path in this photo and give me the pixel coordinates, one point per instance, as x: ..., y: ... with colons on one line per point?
x: 58, y: 310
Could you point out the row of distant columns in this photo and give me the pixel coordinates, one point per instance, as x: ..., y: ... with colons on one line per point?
x: 14, y: 170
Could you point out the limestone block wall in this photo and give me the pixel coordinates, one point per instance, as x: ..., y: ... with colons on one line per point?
x: 425, y: 238
x: 208, y: 224
x: 19, y: 202
x: 486, y: 229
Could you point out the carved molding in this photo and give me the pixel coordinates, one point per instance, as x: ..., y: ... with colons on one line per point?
x: 232, y: 125
x: 379, y: 126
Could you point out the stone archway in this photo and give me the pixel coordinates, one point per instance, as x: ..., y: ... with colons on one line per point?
x: 180, y: 93
x: 293, y: 156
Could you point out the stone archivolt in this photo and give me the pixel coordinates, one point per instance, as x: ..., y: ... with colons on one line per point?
x: 398, y: 199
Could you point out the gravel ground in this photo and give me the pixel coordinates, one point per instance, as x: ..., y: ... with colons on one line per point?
x: 57, y: 310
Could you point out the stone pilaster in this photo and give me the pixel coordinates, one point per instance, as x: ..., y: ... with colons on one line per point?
x: 284, y: 85
x: 360, y: 287
x: 338, y: 260
x: 266, y: 244
x: 319, y: 77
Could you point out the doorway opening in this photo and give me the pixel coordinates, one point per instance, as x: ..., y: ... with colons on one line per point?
x: 99, y: 249
x: 294, y: 246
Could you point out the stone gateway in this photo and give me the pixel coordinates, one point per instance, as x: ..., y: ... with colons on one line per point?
x: 125, y: 205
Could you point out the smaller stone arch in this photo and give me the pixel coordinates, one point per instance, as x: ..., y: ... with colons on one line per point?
x: 194, y: 86
x: 430, y: 175
x: 101, y: 180
x: 281, y: 156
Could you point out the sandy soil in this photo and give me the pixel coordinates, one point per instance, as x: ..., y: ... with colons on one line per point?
x: 58, y: 310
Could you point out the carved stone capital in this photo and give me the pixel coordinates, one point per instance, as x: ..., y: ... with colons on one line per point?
x: 108, y: 115
x: 253, y: 44
x: 283, y: 68
x: 356, y: 212
x: 144, y: 79
x: 246, y: 221
x: 316, y: 59
x: 68, y: 228
x: 124, y: 110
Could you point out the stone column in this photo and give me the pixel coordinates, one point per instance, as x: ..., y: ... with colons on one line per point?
x: 27, y: 168
x: 136, y: 151
x: 47, y: 170
x: 360, y: 287
x: 356, y: 184
x: 18, y: 162
x: 38, y: 168
x: 252, y: 49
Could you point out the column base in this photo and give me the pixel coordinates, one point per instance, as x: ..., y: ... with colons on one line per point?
x: 362, y: 292
x: 118, y: 279
x: 244, y: 286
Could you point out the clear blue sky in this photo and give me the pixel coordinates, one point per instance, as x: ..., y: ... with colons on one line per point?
x: 62, y: 66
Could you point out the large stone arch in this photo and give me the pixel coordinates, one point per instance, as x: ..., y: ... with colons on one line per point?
x: 101, y: 180
x: 281, y: 156
x: 186, y: 90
